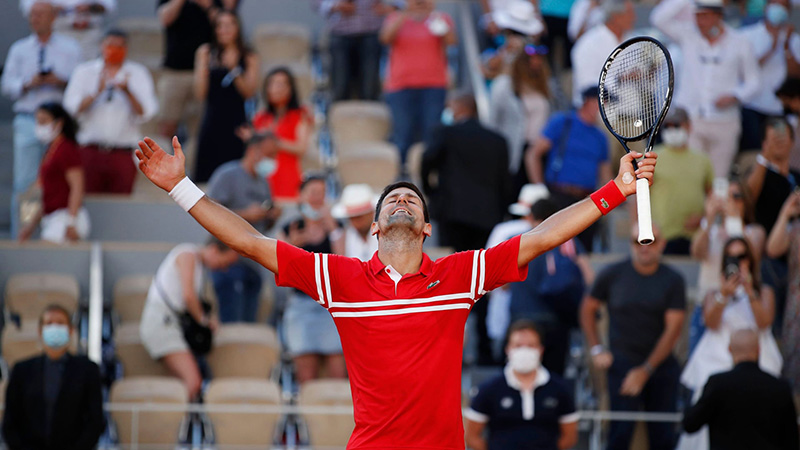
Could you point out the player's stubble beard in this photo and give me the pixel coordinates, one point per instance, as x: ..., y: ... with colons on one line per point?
x: 400, y: 233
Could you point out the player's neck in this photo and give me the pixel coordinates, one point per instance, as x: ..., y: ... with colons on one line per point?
x: 526, y: 380
x: 404, y: 255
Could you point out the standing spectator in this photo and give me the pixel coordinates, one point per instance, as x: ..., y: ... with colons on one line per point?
x: 416, y: 79
x: 357, y: 207
x: 54, y: 400
x: 187, y: 25
x: 284, y: 117
x: 110, y: 97
x: 519, y: 105
x: 583, y: 16
x: 177, y: 288
x: 741, y: 302
x: 777, y: 47
x: 719, y: 73
x: 242, y: 187
x: 517, y: 24
x: 686, y: 175
x: 785, y: 239
x: 576, y: 152
x: 789, y: 95
x: 525, y: 407
x: 471, y: 163
x: 745, y: 408
x: 82, y: 20
x: 592, y: 49
x: 310, y: 334
x: 355, y: 49
x: 62, y: 216
x: 556, y: 16
x: 36, y: 71
x: 225, y: 75
x: 646, y: 301
x: 552, y: 293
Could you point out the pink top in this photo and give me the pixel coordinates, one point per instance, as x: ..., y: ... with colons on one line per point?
x: 417, y: 58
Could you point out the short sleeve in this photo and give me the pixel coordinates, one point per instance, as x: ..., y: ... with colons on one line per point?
x: 306, y: 271
x: 602, y: 284
x: 677, y: 293
x: 69, y: 157
x: 552, y: 130
x: 498, y: 266
x: 219, y: 188
x: 480, y: 407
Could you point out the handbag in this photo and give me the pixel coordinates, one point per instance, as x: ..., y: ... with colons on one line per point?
x: 197, y: 336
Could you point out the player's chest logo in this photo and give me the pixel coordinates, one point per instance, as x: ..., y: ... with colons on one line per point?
x: 506, y: 402
x: 432, y: 285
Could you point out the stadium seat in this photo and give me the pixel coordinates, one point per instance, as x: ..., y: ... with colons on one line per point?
x: 27, y: 294
x: 244, y: 350
x: 131, y: 353
x: 20, y: 343
x: 435, y: 253
x: 327, y: 430
x: 242, y: 428
x: 130, y: 293
x: 374, y: 163
x: 283, y: 43
x: 152, y: 427
x: 356, y: 120
x: 414, y: 162
x: 145, y: 40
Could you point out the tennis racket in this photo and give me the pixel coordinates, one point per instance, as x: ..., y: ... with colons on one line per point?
x: 635, y: 94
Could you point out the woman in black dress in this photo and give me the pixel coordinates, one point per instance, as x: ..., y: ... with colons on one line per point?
x: 225, y: 75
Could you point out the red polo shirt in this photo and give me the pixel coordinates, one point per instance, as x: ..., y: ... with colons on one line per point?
x: 402, y: 340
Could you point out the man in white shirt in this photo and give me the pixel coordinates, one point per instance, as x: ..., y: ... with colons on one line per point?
x: 82, y: 20
x: 776, y: 46
x: 36, y: 71
x: 357, y: 206
x: 111, y: 97
x: 592, y: 49
x: 719, y: 73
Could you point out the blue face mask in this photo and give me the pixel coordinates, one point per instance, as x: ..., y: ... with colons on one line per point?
x: 309, y: 213
x: 776, y: 14
x: 55, y: 336
x: 447, y: 117
x: 266, y: 167
x: 500, y: 40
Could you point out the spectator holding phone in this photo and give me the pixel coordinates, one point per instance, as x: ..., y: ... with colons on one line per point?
x: 740, y: 302
x: 36, y: 71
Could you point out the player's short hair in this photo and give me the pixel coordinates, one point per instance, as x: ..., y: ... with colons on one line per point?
x: 55, y: 308
x: 398, y: 185
x: 523, y: 325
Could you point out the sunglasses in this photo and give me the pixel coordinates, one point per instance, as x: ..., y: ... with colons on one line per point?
x: 739, y: 257
x: 737, y: 196
x: 536, y: 49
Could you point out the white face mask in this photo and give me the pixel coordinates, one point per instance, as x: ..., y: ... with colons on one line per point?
x: 674, y: 136
x: 266, y: 167
x: 46, y: 133
x: 524, y: 359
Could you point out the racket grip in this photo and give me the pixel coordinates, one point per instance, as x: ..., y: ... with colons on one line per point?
x: 643, y: 208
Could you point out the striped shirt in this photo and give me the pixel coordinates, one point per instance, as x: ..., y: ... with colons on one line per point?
x: 402, y: 336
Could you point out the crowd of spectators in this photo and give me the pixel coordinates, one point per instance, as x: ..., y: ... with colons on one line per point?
x: 725, y: 191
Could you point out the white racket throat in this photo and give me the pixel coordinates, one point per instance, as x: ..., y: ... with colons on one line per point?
x: 643, y: 212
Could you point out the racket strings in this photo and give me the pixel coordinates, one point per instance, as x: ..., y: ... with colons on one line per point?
x: 635, y: 89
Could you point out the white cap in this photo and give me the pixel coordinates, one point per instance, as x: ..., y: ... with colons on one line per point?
x: 520, y: 16
x: 528, y: 195
x: 356, y: 200
x: 718, y: 4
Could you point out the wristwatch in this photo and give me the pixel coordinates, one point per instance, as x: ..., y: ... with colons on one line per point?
x: 596, y: 350
x: 719, y: 298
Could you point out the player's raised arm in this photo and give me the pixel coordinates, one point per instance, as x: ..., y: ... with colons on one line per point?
x: 569, y: 222
x: 168, y: 173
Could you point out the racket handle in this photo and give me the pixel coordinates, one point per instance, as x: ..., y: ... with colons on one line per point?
x: 643, y: 208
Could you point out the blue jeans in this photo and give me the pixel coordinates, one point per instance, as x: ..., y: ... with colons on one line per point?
x: 660, y: 394
x: 415, y: 114
x: 355, y: 61
x: 28, y: 154
x: 238, y: 290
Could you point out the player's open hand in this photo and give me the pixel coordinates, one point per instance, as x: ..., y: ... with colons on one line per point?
x: 163, y: 169
x: 626, y: 177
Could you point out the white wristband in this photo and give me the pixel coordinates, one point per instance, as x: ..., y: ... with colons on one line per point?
x: 186, y: 194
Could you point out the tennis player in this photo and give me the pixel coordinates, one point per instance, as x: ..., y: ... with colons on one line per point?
x: 400, y: 315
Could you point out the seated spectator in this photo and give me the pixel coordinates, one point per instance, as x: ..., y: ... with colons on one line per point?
x: 357, y: 208
x: 741, y: 302
x: 177, y: 288
x: 583, y: 16
x: 36, y: 71
x: 242, y: 187
x: 54, y: 400
x: 310, y: 334
x: 745, y: 408
x: 284, y: 117
x: 685, y: 175
x: 355, y: 49
x: 416, y: 80
x: 525, y: 407
x: 519, y: 105
x: 62, y: 216
x: 225, y: 75
x: 646, y: 303
x: 552, y: 293
x: 111, y: 97
x: 82, y: 20
x: 517, y: 24
x: 785, y: 240
x: 576, y: 154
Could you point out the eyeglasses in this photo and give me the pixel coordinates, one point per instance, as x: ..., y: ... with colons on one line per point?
x: 536, y: 49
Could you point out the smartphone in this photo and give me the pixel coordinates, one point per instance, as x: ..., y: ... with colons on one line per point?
x: 731, y: 265
x: 720, y: 187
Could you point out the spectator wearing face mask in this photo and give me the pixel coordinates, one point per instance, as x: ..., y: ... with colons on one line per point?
x: 686, y: 175
x: 54, y: 400
x: 526, y: 406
